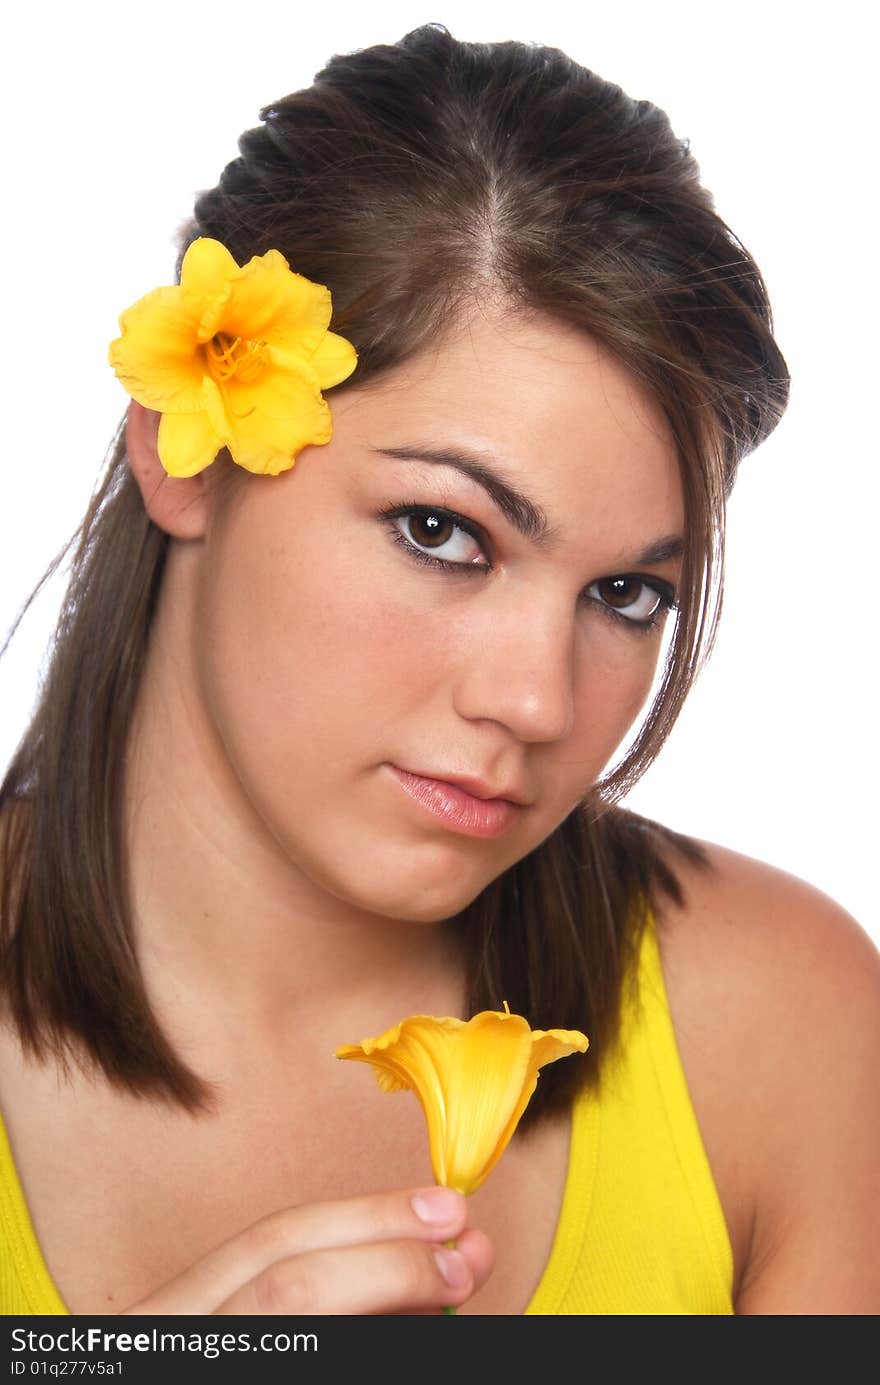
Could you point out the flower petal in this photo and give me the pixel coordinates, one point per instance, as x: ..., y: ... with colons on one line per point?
x: 156, y: 357
x: 547, y: 1046
x: 206, y: 276
x: 550, y: 1044
x: 333, y: 360
x: 416, y: 1054
x: 424, y: 1051
x: 214, y: 405
x: 187, y: 443
x: 282, y: 386
x: 390, y: 1076
x: 274, y: 418
x: 268, y: 302
x: 485, y: 1095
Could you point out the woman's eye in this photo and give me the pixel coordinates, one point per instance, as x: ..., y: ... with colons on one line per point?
x: 438, y: 537
x: 632, y: 598
x: 442, y: 539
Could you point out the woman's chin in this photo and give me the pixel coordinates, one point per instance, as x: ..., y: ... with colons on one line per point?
x: 415, y: 896
x: 422, y: 904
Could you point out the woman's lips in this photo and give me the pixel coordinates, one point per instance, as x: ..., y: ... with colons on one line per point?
x: 458, y: 810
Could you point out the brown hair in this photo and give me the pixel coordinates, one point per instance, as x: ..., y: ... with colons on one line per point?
x: 412, y: 178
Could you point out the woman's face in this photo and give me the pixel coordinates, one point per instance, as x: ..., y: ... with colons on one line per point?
x: 337, y: 659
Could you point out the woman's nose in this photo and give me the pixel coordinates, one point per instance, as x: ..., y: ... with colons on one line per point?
x: 520, y: 670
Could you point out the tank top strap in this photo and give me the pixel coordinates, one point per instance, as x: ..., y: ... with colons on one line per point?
x: 25, y: 1283
x: 641, y: 1229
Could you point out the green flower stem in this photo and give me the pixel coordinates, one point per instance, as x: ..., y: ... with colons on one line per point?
x: 450, y: 1308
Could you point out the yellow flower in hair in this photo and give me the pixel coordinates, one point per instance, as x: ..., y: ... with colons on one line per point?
x: 474, y: 1080
x: 233, y: 356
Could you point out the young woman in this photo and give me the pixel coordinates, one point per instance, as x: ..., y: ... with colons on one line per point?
x: 333, y: 745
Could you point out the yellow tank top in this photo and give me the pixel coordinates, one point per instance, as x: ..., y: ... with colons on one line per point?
x: 641, y: 1230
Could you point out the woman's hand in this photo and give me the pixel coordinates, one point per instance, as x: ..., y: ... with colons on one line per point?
x: 379, y: 1254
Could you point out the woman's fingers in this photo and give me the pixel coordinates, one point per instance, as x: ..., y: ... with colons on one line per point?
x: 251, y: 1263
x: 405, y: 1276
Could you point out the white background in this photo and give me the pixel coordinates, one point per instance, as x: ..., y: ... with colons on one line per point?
x: 114, y: 116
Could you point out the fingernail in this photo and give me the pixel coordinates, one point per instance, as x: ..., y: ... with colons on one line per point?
x: 436, y: 1206
x: 453, y: 1267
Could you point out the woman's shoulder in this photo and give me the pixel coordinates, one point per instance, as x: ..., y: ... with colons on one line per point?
x: 783, y: 942
x: 771, y: 950
x: 774, y: 991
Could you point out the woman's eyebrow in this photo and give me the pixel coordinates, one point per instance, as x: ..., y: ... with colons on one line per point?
x: 672, y: 546
x: 524, y: 514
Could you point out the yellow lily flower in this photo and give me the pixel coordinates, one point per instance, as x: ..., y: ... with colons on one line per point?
x: 474, y: 1080
x: 233, y: 356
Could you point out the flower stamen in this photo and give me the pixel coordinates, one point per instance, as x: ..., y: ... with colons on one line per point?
x: 228, y: 356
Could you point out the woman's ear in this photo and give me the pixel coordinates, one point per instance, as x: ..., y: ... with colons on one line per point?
x: 176, y: 504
